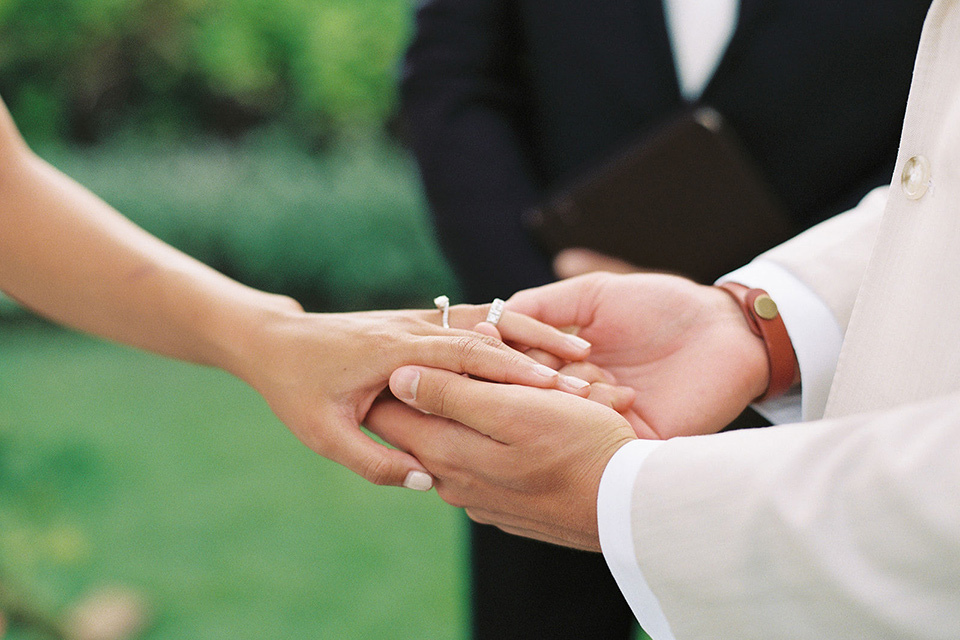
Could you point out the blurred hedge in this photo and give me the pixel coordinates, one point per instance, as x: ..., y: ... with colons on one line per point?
x: 342, y: 230
x: 82, y: 69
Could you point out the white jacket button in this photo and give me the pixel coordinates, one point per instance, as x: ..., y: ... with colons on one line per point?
x: 915, y: 177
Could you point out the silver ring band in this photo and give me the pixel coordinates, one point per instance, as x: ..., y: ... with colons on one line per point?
x: 496, y: 310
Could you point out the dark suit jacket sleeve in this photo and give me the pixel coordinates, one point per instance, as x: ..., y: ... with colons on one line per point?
x: 460, y: 98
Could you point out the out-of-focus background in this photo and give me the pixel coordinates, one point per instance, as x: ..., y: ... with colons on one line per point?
x: 260, y: 137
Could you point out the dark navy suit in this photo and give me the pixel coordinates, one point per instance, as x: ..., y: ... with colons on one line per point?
x: 503, y: 99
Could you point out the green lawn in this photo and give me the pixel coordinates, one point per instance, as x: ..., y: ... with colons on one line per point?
x: 122, y: 467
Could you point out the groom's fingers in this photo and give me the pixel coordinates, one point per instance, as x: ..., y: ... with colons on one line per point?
x: 494, y: 410
x: 447, y: 395
x: 481, y: 356
x: 524, y: 330
x: 443, y: 446
x: 543, y: 357
x: 618, y: 398
x: 560, y: 304
x: 589, y: 372
x: 489, y: 329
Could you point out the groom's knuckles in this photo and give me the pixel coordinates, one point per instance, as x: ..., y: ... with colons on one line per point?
x: 464, y: 487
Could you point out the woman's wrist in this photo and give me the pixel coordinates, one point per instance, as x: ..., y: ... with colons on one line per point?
x: 238, y: 332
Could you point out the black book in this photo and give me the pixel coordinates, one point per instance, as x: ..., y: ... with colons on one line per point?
x: 684, y: 199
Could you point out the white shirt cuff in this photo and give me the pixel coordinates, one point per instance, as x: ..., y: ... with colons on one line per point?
x: 615, y: 519
x: 814, y: 332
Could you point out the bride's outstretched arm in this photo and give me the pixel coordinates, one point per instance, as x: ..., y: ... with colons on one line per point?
x: 70, y: 257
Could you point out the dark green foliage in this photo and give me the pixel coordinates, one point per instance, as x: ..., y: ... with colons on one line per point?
x: 82, y: 69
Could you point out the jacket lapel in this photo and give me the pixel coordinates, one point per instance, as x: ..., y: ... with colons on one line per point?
x: 749, y: 12
x: 649, y: 45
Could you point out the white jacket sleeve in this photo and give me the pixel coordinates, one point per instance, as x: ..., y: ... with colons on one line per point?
x: 846, y: 528
x: 814, y: 279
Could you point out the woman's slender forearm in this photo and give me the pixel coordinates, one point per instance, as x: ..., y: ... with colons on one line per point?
x: 69, y: 256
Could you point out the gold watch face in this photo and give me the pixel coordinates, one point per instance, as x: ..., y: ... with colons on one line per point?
x: 765, y: 307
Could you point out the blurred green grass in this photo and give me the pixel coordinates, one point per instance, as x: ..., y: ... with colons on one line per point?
x: 122, y: 467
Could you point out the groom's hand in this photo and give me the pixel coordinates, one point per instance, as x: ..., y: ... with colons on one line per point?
x: 527, y: 460
x: 685, y: 348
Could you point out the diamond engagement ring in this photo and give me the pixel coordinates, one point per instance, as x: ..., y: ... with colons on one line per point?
x: 443, y: 304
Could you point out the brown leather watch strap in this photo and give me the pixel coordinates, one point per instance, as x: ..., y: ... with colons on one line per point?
x: 764, y: 319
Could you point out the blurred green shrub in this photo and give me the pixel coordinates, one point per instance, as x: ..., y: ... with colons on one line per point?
x: 343, y: 230
x: 82, y: 69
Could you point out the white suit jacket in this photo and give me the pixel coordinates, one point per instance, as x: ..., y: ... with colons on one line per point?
x: 847, y: 526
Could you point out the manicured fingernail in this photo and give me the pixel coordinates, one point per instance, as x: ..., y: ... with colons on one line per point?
x: 545, y: 371
x: 578, y: 342
x: 576, y: 383
x: 407, y: 381
x: 418, y: 481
